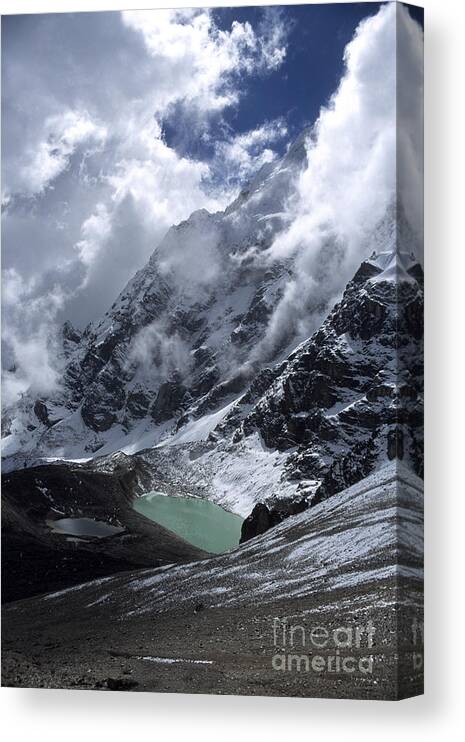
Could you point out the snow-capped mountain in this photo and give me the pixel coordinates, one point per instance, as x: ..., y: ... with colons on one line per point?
x: 349, y: 398
x: 173, y: 365
x: 175, y: 333
x: 343, y: 404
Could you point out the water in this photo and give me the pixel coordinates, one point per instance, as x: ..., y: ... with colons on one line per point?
x: 83, y: 527
x: 197, y: 521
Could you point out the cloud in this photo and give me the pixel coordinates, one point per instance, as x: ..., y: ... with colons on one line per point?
x: 168, y: 187
x: 244, y: 154
x: 353, y: 155
x: 194, y: 264
x: 409, y: 110
x: 95, y: 231
x: 272, y: 34
x: 45, y: 158
x: 32, y: 356
x: 91, y: 186
x: 149, y: 188
x: 208, y: 59
x: 155, y: 347
x: 192, y: 44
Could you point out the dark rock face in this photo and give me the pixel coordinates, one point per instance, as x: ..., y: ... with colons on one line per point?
x: 259, y: 521
x: 137, y: 404
x: 70, y: 333
x: 41, y: 412
x: 169, y: 400
x: 351, y: 396
x: 395, y: 441
x: 97, y: 413
x: 262, y: 518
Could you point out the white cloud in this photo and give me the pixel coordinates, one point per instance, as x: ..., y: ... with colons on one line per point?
x: 95, y: 232
x: 243, y: 155
x: 29, y: 337
x: 150, y: 187
x: 167, y: 186
x: 206, y: 58
x: 351, y: 176
x: 272, y: 38
x: 155, y: 346
x: 195, y: 263
x: 45, y: 158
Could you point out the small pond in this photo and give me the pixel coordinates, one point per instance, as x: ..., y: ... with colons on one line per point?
x: 83, y: 527
x: 197, y: 521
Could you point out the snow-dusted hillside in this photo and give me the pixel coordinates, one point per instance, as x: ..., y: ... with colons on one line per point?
x: 369, y: 532
x: 354, y: 559
x: 350, y: 398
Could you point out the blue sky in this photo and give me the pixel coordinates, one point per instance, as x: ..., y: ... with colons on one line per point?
x: 304, y: 82
x: 309, y: 74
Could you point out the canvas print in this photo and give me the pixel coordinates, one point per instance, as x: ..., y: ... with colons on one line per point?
x: 212, y: 362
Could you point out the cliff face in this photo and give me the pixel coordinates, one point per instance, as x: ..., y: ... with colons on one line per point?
x: 350, y: 398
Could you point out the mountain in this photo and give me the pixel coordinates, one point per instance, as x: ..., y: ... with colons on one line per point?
x: 343, y: 404
x: 172, y: 369
x: 173, y: 339
x: 349, y: 399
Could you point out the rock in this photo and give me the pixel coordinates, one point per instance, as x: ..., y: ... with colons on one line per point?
x: 351, y: 394
x: 120, y: 684
x: 137, y: 404
x: 262, y: 518
x: 70, y: 333
x: 97, y: 418
x: 256, y: 523
x: 168, y: 402
x: 41, y: 412
x: 395, y: 444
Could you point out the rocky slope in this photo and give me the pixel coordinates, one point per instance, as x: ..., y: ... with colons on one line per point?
x: 209, y: 626
x: 38, y: 558
x: 349, y: 398
x: 343, y: 404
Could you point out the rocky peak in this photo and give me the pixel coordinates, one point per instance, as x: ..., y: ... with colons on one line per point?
x: 350, y: 398
x: 70, y: 333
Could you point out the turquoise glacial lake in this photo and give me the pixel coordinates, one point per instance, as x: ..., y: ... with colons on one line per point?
x: 197, y: 521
